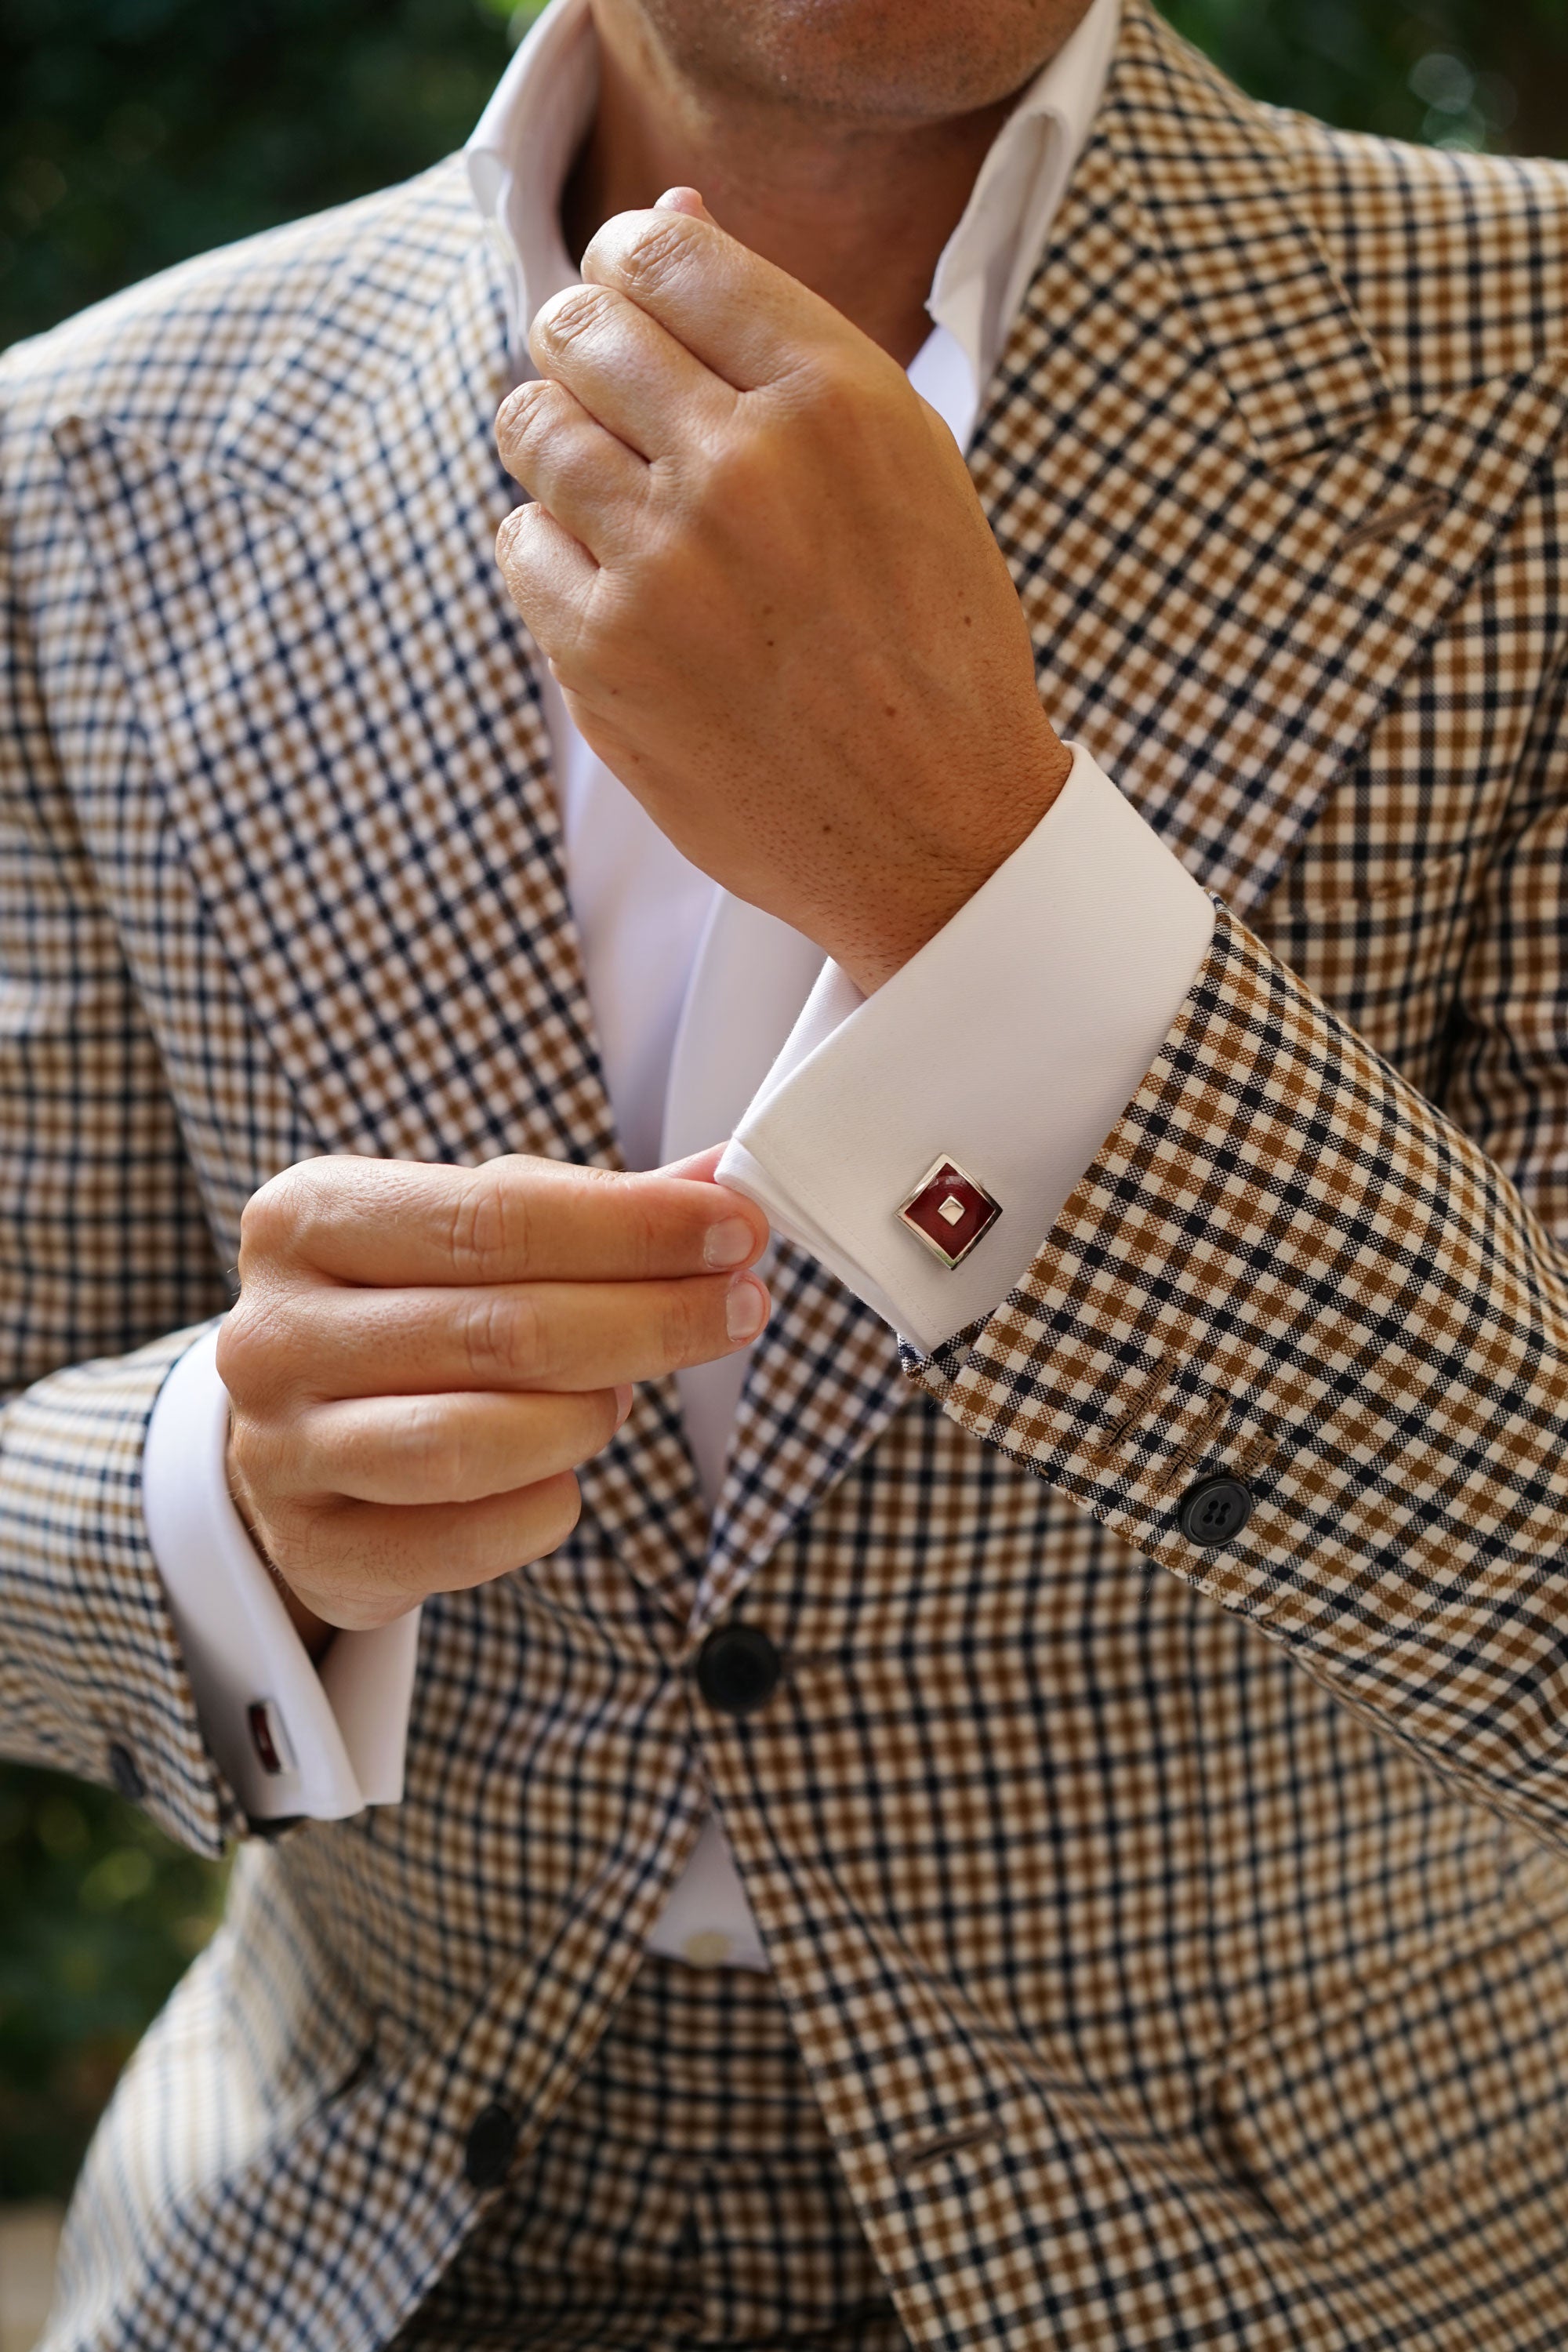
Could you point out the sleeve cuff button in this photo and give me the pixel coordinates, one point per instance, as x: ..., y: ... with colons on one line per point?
x: 1213, y: 1511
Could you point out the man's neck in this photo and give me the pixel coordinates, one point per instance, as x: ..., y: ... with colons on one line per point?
x: 858, y: 212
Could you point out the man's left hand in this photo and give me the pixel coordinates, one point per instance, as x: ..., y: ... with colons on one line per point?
x: 759, y: 568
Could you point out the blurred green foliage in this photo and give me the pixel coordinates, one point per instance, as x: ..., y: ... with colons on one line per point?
x: 99, y: 1913
x: 135, y: 131
x: 1463, y: 73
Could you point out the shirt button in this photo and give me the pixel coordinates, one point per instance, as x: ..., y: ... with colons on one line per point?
x: 1215, y: 1510
x: 489, y: 2147
x: 738, y: 1669
x: 710, y: 1948
x: 125, y: 1772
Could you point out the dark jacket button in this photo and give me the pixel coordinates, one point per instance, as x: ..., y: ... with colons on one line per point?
x: 489, y: 2147
x: 125, y: 1772
x: 738, y: 1669
x: 1215, y: 1510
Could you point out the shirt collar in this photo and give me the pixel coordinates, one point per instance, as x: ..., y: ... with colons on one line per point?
x: 524, y: 142
x: 523, y: 147
x: 985, y: 266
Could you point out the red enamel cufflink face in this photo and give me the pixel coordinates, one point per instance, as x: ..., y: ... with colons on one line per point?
x: 950, y: 1211
x: 269, y: 1737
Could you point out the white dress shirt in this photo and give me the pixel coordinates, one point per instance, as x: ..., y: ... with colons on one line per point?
x: 715, y: 1020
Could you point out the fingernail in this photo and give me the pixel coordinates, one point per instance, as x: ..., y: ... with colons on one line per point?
x: 746, y: 1307
x: 728, y: 1244
x: 625, y: 1396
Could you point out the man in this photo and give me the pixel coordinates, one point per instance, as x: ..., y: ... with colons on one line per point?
x: 1056, y: 1840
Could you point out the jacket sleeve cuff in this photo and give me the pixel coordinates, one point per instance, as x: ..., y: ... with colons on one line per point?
x: 1011, y: 1044
x: 1296, y: 1340
x: 290, y: 1739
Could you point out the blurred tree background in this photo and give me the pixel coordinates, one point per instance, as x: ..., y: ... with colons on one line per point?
x: 99, y: 1913
x: 135, y: 131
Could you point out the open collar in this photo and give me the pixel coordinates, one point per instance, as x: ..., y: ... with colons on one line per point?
x: 524, y: 145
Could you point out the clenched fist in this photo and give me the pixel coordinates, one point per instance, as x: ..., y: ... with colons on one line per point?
x: 421, y: 1356
x: 760, y: 570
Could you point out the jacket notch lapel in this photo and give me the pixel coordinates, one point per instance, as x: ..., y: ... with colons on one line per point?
x: 1188, y: 433
x: 1219, y: 203
x: 341, y: 713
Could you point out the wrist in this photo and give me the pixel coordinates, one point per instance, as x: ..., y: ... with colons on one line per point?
x: 900, y: 922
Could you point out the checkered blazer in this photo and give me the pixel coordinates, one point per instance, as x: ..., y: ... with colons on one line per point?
x: 1177, y: 1939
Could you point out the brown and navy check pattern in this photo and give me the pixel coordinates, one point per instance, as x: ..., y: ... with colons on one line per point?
x: 685, y: 2193
x: 1175, y: 1943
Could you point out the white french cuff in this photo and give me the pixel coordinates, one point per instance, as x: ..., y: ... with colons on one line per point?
x: 1007, y: 1048
x: 289, y: 1737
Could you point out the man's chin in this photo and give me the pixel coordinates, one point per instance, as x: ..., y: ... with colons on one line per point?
x: 878, y: 60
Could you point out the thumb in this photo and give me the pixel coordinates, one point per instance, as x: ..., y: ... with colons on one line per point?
x: 685, y: 199
x: 700, y: 1169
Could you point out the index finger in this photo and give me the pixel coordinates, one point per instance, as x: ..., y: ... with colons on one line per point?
x: 748, y: 321
x: 405, y: 1224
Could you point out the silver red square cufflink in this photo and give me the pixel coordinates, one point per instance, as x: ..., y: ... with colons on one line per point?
x: 950, y: 1211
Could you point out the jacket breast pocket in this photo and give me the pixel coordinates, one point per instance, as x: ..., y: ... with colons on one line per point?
x: 1423, y: 2134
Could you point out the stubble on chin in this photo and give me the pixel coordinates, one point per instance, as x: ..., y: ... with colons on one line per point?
x: 908, y: 60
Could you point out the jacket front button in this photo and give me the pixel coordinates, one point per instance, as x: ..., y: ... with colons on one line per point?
x: 738, y: 1669
x: 1215, y: 1510
x: 490, y: 2146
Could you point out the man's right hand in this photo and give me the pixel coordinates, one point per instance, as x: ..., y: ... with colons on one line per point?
x: 421, y: 1356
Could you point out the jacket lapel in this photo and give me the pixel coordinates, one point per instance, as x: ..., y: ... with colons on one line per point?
x: 342, y: 717
x: 1231, y: 543
x: 1230, y: 538
x: 341, y: 708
